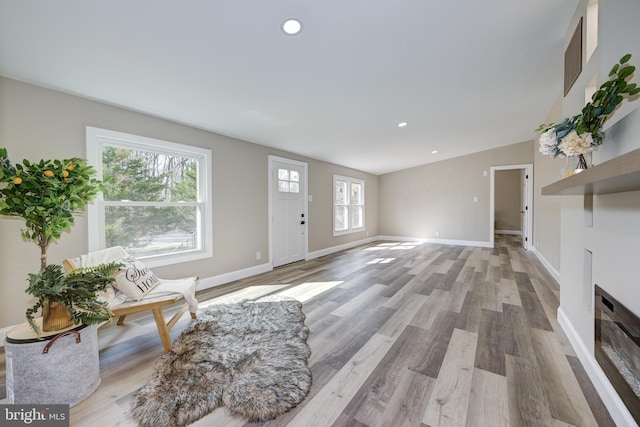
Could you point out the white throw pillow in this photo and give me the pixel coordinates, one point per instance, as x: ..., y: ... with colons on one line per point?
x: 134, y: 279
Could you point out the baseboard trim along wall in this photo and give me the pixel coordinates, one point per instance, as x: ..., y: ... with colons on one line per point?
x: 617, y: 409
x: 338, y: 248
x: 514, y: 232
x: 438, y: 241
x: 555, y: 273
x: 221, y: 279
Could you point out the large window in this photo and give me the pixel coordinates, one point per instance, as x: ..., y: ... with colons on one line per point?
x: 156, y: 200
x: 348, y: 205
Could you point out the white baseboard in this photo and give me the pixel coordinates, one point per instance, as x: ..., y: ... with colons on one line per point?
x: 334, y: 249
x: 617, y: 409
x: 514, y: 232
x: 555, y: 273
x: 438, y: 241
x: 221, y: 279
x: 338, y: 248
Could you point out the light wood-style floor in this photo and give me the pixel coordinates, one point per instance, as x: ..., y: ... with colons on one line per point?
x: 402, y: 334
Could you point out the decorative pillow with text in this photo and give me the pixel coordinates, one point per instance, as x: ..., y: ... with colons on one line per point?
x: 134, y: 279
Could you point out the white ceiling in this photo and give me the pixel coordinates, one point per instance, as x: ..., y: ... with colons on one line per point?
x: 466, y: 75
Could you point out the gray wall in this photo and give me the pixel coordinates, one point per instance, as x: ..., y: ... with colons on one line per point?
x: 546, y: 213
x: 37, y: 123
x: 439, y: 197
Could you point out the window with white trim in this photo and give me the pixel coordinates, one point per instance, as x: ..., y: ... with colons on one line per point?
x: 348, y: 205
x: 156, y: 201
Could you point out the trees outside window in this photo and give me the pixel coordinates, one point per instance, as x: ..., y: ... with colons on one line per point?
x: 155, y: 201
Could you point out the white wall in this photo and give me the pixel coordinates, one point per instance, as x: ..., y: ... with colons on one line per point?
x: 614, y: 215
x: 613, y: 238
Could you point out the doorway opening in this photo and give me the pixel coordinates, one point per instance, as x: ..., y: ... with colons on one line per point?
x: 511, y: 204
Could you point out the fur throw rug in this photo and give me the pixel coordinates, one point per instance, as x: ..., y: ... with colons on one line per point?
x: 250, y: 356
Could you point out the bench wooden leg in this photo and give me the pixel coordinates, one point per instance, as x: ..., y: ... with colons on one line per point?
x: 162, y: 329
x: 177, y: 316
x: 121, y: 319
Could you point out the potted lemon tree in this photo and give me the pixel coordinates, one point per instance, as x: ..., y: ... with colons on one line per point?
x: 47, y: 195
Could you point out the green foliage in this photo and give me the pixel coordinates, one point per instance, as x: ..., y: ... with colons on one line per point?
x: 606, y: 99
x: 141, y: 176
x: 76, y: 291
x: 46, y: 194
x: 588, y: 125
x: 126, y: 176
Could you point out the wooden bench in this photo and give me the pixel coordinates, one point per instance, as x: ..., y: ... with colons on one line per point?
x: 155, y: 303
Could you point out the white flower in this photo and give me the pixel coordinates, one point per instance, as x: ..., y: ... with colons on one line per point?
x: 548, y: 142
x: 574, y: 144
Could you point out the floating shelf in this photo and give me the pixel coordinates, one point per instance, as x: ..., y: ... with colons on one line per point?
x: 613, y: 176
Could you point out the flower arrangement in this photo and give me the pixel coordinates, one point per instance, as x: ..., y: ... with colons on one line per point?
x: 582, y: 133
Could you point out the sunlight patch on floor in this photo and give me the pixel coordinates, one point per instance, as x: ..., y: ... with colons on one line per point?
x: 251, y: 292
x: 306, y: 291
x: 381, y: 261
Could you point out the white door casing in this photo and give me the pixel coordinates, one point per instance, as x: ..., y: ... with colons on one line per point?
x: 524, y: 205
x: 287, y: 211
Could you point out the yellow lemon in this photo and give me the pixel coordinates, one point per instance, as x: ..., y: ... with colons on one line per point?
x: 17, y: 180
x: 65, y: 174
x: 48, y: 173
x: 70, y: 167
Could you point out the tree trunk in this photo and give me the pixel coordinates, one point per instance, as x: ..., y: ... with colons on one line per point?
x: 43, y: 254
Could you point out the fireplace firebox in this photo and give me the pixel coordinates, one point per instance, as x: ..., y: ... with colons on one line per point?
x: 617, y: 348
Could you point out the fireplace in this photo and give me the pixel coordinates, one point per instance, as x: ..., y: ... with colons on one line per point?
x: 617, y: 348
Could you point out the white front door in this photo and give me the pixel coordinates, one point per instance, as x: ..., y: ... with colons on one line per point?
x: 288, y: 210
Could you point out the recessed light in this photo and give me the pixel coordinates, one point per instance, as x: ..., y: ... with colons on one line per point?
x: 434, y: 152
x: 402, y: 124
x: 291, y: 26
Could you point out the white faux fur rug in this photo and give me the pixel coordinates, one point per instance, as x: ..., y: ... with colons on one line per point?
x: 249, y: 356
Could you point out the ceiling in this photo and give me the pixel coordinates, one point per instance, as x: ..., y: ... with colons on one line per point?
x: 466, y: 76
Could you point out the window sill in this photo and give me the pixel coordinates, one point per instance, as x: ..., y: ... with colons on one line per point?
x: 165, y: 260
